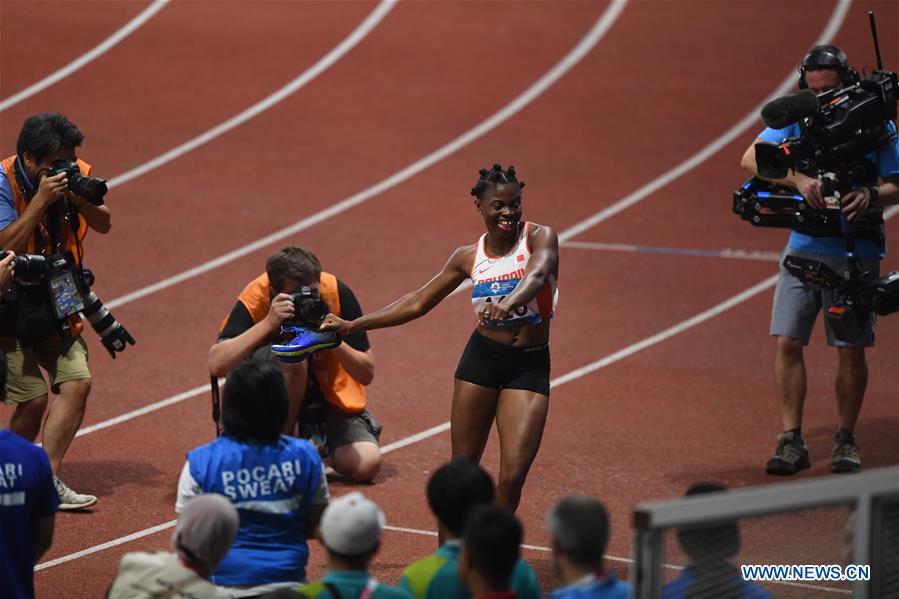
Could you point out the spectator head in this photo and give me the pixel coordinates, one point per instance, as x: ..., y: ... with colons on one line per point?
x: 491, y: 548
x: 254, y: 402
x: 291, y: 267
x: 579, y: 526
x: 205, y: 530
x: 351, y: 529
x: 454, y: 489
x: 709, y: 543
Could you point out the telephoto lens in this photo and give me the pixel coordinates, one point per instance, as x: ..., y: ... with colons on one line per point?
x: 112, y: 334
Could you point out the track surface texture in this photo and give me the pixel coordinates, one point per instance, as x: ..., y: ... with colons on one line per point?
x: 664, y: 81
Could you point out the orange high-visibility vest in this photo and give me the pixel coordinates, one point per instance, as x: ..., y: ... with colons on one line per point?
x: 71, y: 242
x: 338, y: 387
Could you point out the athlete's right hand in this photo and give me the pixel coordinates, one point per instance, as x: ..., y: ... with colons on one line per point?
x: 335, y: 323
x: 51, y: 189
x: 810, y: 189
x: 281, y: 310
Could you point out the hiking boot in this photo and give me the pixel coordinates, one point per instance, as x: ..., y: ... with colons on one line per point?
x: 845, y: 454
x: 791, y: 455
x: 69, y: 499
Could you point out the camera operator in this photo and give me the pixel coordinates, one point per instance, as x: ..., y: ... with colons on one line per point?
x: 796, y: 305
x: 39, y: 214
x: 327, y: 391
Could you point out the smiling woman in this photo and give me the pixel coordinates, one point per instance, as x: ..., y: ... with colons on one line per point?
x: 503, y: 374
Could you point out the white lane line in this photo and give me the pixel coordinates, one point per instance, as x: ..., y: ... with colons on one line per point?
x: 352, y: 40
x: 733, y: 254
x: 599, y: 29
x: 132, y: 26
x: 114, y: 543
x: 833, y: 25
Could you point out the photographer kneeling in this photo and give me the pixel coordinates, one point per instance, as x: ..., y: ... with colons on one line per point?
x: 47, y: 203
x: 327, y: 391
x: 796, y: 305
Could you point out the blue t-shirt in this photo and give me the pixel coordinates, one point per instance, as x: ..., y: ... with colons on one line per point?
x: 273, y: 487
x: 677, y: 589
x: 591, y: 587
x: 8, y: 210
x: 887, y: 161
x: 26, y: 494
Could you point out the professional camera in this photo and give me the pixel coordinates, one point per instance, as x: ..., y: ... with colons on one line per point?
x: 29, y: 268
x: 68, y: 289
x: 309, y: 310
x: 853, y: 298
x: 838, y: 129
x: 91, y: 189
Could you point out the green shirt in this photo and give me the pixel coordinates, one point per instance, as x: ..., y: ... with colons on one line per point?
x: 437, y: 576
x: 350, y: 584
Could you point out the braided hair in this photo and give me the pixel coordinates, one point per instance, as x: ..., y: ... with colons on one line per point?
x: 493, y: 178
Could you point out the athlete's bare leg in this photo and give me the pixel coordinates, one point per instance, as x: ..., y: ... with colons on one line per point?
x: 520, y: 418
x: 472, y: 415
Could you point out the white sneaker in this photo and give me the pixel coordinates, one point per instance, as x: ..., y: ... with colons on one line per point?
x: 69, y: 499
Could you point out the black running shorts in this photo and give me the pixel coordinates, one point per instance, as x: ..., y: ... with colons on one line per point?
x: 490, y: 364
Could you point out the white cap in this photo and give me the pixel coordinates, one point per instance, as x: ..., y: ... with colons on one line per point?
x: 352, y: 524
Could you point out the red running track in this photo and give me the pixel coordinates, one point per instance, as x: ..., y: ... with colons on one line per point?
x: 667, y: 79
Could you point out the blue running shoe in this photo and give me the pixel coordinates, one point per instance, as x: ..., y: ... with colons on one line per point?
x: 305, y: 343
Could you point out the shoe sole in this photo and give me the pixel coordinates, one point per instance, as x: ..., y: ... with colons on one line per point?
x: 778, y: 469
x: 845, y: 468
x: 71, y: 507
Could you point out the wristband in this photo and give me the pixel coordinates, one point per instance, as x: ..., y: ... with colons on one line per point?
x: 873, y: 196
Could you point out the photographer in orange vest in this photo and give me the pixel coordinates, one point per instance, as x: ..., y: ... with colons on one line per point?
x: 327, y: 390
x: 41, y: 214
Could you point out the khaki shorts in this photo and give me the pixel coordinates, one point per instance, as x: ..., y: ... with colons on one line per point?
x: 62, y: 360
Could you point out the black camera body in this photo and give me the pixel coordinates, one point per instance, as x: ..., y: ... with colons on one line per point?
x: 853, y: 298
x: 68, y: 290
x: 91, y: 189
x: 848, y: 123
x: 309, y: 309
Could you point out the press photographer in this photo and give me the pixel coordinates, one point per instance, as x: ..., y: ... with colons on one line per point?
x: 276, y: 318
x: 48, y: 201
x: 831, y: 172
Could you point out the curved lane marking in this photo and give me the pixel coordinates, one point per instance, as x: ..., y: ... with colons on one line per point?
x: 327, y: 61
x: 132, y: 26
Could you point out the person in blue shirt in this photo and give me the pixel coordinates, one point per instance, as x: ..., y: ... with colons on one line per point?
x: 710, y: 574
x: 579, y: 526
x: 28, y: 504
x: 276, y: 482
x: 796, y: 305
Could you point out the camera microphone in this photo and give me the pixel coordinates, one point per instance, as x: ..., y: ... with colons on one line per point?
x: 783, y: 111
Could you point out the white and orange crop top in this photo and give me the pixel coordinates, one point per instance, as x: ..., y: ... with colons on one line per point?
x: 494, y: 277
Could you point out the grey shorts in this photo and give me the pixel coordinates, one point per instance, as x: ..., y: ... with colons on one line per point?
x: 796, y: 305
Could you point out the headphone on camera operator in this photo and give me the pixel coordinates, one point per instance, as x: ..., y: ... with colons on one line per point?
x: 830, y: 57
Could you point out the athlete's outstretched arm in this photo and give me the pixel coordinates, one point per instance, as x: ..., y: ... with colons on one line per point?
x: 544, y: 262
x: 412, y: 305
